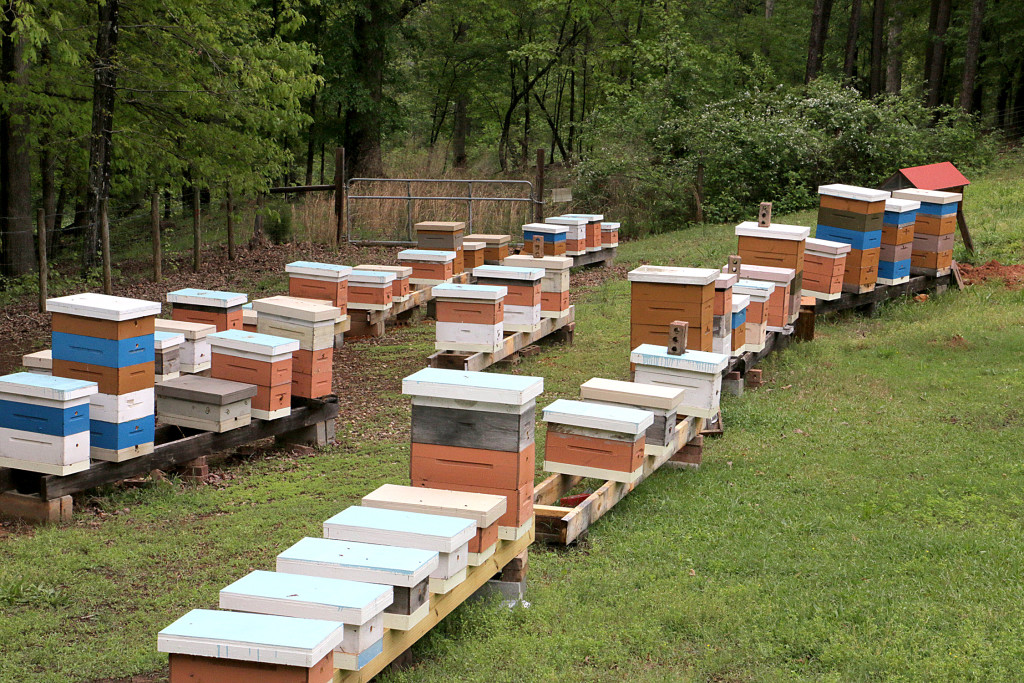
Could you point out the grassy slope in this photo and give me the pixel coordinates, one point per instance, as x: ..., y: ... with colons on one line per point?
x: 881, y: 542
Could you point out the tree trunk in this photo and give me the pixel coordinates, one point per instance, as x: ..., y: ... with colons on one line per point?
x: 311, y: 142
x: 19, y: 249
x: 850, y: 61
x: 894, y: 55
x: 524, y: 153
x: 877, y: 47
x: 769, y: 9
x: 819, y: 31
x: 937, y: 72
x: 103, y: 97
x: 971, y: 56
x: 57, y: 222
x: 460, y: 131
x: 362, y: 125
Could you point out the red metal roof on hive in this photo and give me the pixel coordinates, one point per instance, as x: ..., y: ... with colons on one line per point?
x: 941, y: 176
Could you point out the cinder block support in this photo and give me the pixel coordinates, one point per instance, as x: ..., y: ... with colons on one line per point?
x: 689, y: 456
x: 320, y: 434
x: 35, y: 510
x: 197, y: 470
x: 733, y: 383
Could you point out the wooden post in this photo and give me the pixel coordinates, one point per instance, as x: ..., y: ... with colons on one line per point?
x: 962, y: 224
x: 43, y: 272
x: 698, y: 192
x: 158, y: 272
x: 197, y: 237
x: 339, y: 194
x: 231, y: 224
x: 538, y: 208
x: 257, y: 222
x: 108, y: 285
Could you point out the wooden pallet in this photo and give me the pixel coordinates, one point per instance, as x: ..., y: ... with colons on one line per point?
x: 563, y: 525
x: 372, y: 323
x: 514, y: 343
x: 915, y: 285
x: 310, y: 421
x: 397, y: 642
x: 605, y: 257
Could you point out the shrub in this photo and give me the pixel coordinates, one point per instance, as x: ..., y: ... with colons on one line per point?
x: 279, y: 227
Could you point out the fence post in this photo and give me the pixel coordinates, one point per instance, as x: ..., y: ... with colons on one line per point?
x: 257, y: 221
x: 231, y: 224
x: 339, y: 192
x: 43, y: 273
x: 538, y: 207
x: 197, y: 238
x: 108, y: 285
x: 158, y: 267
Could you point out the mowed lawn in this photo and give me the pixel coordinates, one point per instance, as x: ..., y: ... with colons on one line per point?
x: 859, y: 519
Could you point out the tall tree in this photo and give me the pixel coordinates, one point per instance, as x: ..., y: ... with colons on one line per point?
x: 16, y: 219
x: 894, y: 54
x: 850, y: 59
x: 936, y: 62
x: 973, y: 49
x: 877, y: 47
x: 819, y: 32
x: 103, y: 97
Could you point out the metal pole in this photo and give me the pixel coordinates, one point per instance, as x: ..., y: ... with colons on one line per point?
x: 44, y: 273
x: 538, y: 207
x: 470, y: 202
x: 339, y: 192
x: 154, y: 205
x: 108, y: 286
x: 230, y: 199
x: 408, y: 209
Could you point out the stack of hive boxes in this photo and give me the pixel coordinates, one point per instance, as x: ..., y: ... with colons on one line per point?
x: 698, y: 372
x: 554, y: 286
x: 469, y: 317
x: 400, y: 290
x: 443, y: 236
x: 485, y: 511
x: 760, y: 292
x: 662, y: 401
x: 777, y: 313
x: 312, y: 324
x: 44, y: 423
x: 495, y: 247
x: 473, y: 254
x: 223, y: 310
x: 250, y: 319
x: 213, y: 405
x: 320, y: 281
x: 195, y: 354
x: 109, y: 340
x: 449, y: 537
x: 370, y: 290
x: 167, y: 349
x: 934, y: 230
x: 593, y: 234
x: 405, y: 570
x: 260, y: 359
x: 359, y: 606
x: 853, y: 215
x: 824, y: 265
x: 721, y: 331
x: 661, y: 295
x: 596, y: 440
x: 897, y: 241
x: 576, y: 237
x: 523, y: 301
x: 552, y: 235
x: 740, y: 303
x: 39, y: 362
x: 429, y: 268
x: 778, y: 246
x: 609, y: 235
x: 474, y: 431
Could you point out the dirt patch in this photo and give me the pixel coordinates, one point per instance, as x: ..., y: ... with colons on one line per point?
x: 1011, y: 275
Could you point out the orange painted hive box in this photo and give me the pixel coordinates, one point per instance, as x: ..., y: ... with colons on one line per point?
x: 223, y: 310
x: 596, y: 440
x: 260, y: 359
x: 429, y: 267
x: 661, y: 295
x: 323, y: 281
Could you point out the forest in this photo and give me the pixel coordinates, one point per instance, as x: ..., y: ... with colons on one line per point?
x: 663, y: 113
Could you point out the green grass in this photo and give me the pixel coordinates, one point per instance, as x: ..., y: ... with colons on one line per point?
x: 859, y: 519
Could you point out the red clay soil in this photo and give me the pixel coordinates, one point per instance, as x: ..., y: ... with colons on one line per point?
x: 1011, y: 275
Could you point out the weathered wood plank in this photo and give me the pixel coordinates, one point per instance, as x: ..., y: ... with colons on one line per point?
x: 471, y: 428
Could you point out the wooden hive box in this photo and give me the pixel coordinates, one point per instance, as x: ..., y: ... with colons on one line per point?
x: 406, y: 570
x: 609, y: 235
x: 576, y: 237
x: 523, y: 301
x: 824, y: 265
x: 721, y: 329
x: 312, y: 323
x: 474, y: 431
x: 448, y: 536
x: 214, y: 405
x: 697, y: 371
x: 935, y: 219
x: 780, y: 246
x: 167, y: 347
x: 443, y: 236
x: 593, y: 229
x: 358, y: 605
x: 484, y: 510
x: 370, y: 290
x: 400, y: 288
x: 760, y: 292
x: 495, y: 246
x: 553, y: 236
x: 38, y: 362
x: 596, y: 440
x: 321, y: 281
x: 473, y: 254
x: 738, y: 318
x: 778, y: 314
x: 223, y: 310
x: 429, y: 268
x: 662, y: 401
x: 554, y: 286
x: 227, y: 647
x: 469, y: 317
x: 44, y: 423
x: 196, y: 354
x: 260, y: 359
x: 661, y: 295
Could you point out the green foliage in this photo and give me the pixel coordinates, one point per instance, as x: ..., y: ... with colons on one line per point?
x: 279, y: 227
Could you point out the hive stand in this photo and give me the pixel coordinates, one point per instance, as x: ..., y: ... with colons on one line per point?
x: 373, y: 323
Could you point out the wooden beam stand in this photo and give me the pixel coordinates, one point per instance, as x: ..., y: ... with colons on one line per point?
x: 605, y: 257
x: 373, y: 323
x: 560, y: 329
x: 397, y: 642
